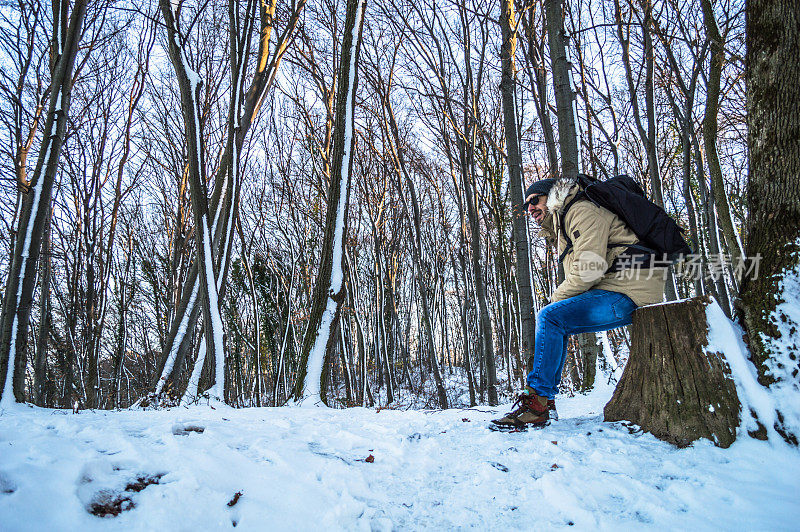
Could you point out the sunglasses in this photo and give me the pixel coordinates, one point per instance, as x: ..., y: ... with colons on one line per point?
x: 533, y: 201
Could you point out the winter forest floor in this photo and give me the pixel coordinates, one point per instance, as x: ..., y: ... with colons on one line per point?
x: 309, y: 469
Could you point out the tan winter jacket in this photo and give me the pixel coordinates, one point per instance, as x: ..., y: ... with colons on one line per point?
x: 592, y: 229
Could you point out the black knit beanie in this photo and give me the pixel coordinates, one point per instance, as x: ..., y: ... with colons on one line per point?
x: 539, y: 188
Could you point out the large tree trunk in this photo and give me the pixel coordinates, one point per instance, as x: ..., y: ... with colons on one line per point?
x: 773, y: 192
x: 21, y: 281
x: 329, y: 289
x: 671, y: 386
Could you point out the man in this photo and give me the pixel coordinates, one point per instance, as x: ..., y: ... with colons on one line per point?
x: 598, y: 292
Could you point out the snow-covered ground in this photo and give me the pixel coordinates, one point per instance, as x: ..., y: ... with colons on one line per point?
x: 308, y: 469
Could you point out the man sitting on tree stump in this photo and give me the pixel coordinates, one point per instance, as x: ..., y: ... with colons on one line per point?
x: 603, y: 284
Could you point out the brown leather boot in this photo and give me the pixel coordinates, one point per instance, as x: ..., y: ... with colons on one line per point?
x: 532, y: 410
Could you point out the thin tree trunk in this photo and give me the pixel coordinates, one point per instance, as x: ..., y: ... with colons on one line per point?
x: 710, y: 127
x: 717, y: 286
x: 565, y: 98
x: 256, y: 318
x: 122, y: 324
x: 487, y: 335
x: 648, y: 136
x: 380, y: 316
x: 590, y: 350
x: 345, y: 366
x: 462, y: 301
x: 538, y: 79
x: 40, y: 363
x: 514, y: 163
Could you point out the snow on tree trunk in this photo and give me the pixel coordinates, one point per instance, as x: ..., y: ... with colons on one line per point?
x: 173, y: 352
x: 770, y: 299
x: 673, y: 386
x: 192, y: 387
x: 329, y: 290
x: 224, y: 198
x: 217, y: 391
x: 190, y: 83
x: 35, y: 207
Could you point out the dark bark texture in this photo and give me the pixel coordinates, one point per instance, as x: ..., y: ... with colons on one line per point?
x: 671, y: 386
x: 589, y: 351
x: 567, y: 137
x: 773, y: 191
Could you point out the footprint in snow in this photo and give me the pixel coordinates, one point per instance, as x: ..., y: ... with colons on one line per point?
x: 183, y: 429
x: 317, y: 449
x: 7, y: 486
x: 499, y: 466
x: 108, y: 489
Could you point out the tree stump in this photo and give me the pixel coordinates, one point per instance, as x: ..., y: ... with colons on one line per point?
x: 671, y: 387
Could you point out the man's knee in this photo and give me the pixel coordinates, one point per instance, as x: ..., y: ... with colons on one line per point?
x: 549, y: 314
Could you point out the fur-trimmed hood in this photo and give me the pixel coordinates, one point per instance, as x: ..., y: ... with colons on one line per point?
x: 559, y: 193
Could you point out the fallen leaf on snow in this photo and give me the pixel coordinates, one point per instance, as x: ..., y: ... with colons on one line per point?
x: 235, y: 498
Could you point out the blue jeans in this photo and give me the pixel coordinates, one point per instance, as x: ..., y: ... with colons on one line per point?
x: 592, y: 311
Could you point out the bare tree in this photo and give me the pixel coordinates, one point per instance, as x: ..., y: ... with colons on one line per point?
x: 717, y: 46
x: 67, y: 31
x: 508, y: 27
x: 329, y: 289
x: 244, y: 108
